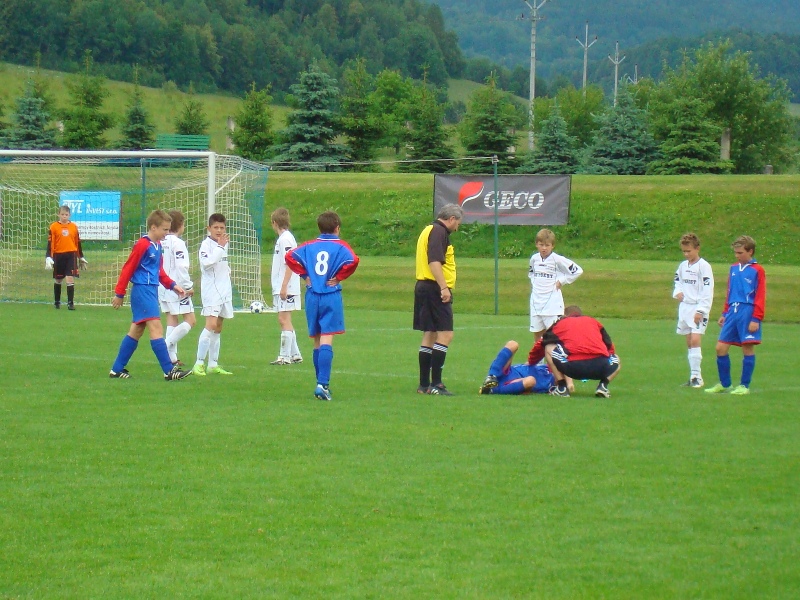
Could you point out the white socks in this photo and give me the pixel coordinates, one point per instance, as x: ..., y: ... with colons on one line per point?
x: 175, y: 335
x: 203, y: 345
x: 695, y: 358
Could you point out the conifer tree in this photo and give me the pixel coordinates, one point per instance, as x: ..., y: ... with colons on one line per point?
x: 30, y: 124
x: 193, y: 119
x: 253, y: 137
x: 308, y: 138
x: 137, y: 130
x: 623, y: 145
x: 427, y: 138
x: 85, y: 122
x: 487, y: 128
x: 555, y: 151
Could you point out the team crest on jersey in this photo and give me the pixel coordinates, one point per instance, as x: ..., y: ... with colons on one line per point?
x: 573, y: 268
x: 179, y: 254
x: 706, y: 281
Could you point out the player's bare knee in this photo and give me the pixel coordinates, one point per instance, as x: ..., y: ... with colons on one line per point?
x: 513, y: 346
x: 528, y: 382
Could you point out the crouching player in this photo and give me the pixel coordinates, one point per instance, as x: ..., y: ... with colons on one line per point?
x: 525, y: 378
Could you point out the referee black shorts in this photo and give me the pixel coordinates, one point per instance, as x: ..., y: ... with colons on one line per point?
x: 430, y: 313
x: 599, y: 368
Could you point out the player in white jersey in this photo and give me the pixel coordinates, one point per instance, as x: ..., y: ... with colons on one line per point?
x: 217, y: 294
x: 548, y: 272
x: 176, y: 265
x: 289, y: 350
x: 694, y: 288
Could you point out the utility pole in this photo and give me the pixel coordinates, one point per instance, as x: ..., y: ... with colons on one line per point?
x: 585, y: 45
x: 616, y: 60
x: 535, y: 18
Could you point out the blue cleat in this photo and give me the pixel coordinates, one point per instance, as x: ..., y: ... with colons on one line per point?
x: 323, y: 393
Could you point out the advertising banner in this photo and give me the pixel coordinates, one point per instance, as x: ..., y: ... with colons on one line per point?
x: 523, y: 199
x: 97, y: 214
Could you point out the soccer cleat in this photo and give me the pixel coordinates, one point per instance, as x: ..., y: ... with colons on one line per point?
x: 488, y: 384
x: 696, y: 382
x: 717, y: 389
x: 179, y: 363
x: 322, y: 393
x: 121, y: 375
x: 423, y: 389
x: 438, y: 389
x: 296, y: 360
x: 281, y: 360
x: 71, y: 306
x: 218, y: 371
x: 602, y: 391
x: 559, y: 391
x: 199, y: 369
x: 740, y: 390
x: 176, y: 374
x: 56, y: 305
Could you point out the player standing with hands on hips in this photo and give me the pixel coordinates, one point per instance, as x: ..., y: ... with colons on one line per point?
x: 64, y: 254
x: 694, y: 289
x: 324, y: 263
x: 433, y: 297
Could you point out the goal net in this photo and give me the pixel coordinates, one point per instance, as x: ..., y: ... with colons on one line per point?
x: 110, y: 195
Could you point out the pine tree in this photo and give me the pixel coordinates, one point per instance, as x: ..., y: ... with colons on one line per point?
x: 487, y: 128
x: 193, y: 119
x: 692, y: 144
x: 308, y: 139
x: 253, y: 137
x: 427, y: 139
x: 555, y: 151
x: 84, y: 122
x: 137, y: 130
x: 359, y: 121
x: 623, y: 145
x: 29, y: 128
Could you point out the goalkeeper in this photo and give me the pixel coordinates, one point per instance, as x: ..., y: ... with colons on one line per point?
x: 64, y: 255
x: 525, y: 378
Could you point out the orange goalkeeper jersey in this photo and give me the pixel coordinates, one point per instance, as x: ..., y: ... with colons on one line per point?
x: 63, y: 239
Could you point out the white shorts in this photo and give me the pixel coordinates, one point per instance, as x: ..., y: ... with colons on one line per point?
x: 224, y: 310
x: 542, y: 322
x: 291, y: 303
x: 179, y: 307
x: 686, y: 324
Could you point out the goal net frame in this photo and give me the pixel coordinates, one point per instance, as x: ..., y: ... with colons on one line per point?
x: 35, y: 183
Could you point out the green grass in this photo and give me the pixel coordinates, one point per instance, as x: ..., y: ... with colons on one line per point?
x: 245, y: 487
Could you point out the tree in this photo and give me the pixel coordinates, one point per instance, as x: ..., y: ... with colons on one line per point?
x: 692, y: 144
x: 360, y: 121
x: 193, y: 119
x: 393, y: 96
x: 308, y: 138
x: 253, y: 137
x: 427, y: 139
x: 30, y: 122
x: 555, y: 150
x: 487, y: 128
x: 137, y: 130
x: 84, y: 122
x: 623, y: 145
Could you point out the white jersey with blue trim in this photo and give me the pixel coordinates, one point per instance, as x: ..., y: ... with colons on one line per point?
x: 285, y: 242
x: 215, y: 282
x: 696, y: 282
x: 176, y: 265
x: 544, y: 273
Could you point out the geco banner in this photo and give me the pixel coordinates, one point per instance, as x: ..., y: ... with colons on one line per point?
x: 522, y: 199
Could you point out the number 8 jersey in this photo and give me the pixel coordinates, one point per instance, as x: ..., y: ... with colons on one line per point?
x: 324, y: 258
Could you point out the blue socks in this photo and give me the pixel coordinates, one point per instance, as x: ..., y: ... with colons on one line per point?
x: 324, y: 358
x: 159, y: 347
x: 724, y: 368
x: 748, y: 366
x: 126, y: 350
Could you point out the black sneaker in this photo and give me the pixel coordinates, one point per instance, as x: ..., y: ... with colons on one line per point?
x: 423, y: 389
x: 71, y: 306
x: 439, y: 390
x: 176, y: 374
x: 56, y: 305
x: 488, y: 384
x: 602, y: 391
x: 559, y: 391
x: 121, y: 375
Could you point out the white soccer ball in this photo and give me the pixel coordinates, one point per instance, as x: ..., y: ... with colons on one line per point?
x: 257, y: 307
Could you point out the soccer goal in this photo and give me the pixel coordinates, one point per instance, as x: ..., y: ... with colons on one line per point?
x: 110, y: 195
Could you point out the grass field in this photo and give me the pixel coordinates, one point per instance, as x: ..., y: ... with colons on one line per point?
x: 245, y: 487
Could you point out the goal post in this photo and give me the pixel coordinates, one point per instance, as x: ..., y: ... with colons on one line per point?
x: 110, y: 194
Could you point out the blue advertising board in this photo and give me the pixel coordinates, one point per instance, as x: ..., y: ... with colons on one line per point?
x: 97, y: 214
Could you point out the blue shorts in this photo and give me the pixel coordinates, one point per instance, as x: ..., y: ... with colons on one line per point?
x: 544, y: 379
x: 144, y: 303
x: 324, y: 313
x: 734, y: 329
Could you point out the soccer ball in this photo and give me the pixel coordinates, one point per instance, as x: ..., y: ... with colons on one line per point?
x: 257, y: 307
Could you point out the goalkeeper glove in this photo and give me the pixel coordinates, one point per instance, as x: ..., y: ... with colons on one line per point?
x: 48, y: 263
x: 84, y: 264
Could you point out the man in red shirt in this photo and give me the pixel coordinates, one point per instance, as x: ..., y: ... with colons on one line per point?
x: 579, y: 347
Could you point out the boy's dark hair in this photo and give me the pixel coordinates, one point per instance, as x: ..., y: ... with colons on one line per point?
x: 177, y: 220
x: 690, y: 239
x: 280, y: 216
x: 328, y: 222
x: 573, y: 311
x: 216, y: 218
x: 158, y: 218
x: 746, y: 242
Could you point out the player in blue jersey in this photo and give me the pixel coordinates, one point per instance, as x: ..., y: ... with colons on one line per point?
x: 145, y: 271
x: 505, y: 378
x: 323, y: 263
x: 742, y: 315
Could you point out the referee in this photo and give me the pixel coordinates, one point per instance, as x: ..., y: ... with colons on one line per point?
x: 433, y: 297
